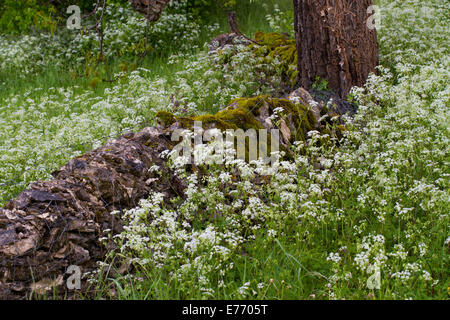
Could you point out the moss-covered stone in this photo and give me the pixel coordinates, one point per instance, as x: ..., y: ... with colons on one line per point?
x: 278, y: 46
x: 166, y: 118
x: 294, y: 120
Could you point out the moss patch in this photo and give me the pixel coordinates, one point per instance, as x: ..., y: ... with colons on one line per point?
x: 166, y: 118
x: 278, y: 46
x: 250, y: 113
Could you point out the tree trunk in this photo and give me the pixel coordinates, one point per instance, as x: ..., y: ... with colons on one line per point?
x: 152, y: 9
x: 335, y: 43
x: 232, y: 22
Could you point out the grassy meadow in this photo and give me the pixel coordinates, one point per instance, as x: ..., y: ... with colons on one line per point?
x: 376, y: 207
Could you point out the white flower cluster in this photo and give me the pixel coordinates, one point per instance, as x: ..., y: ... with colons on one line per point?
x: 373, y: 200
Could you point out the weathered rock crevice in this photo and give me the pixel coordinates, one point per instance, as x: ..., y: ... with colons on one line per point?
x: 57, y: 223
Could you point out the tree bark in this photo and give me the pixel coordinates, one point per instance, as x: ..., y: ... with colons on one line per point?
x: 152, y: 9
x: 334, y: 43
x: 232, y: 22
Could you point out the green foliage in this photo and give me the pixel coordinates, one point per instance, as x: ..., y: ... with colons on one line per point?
x: 320, y: 84
x: 199, y: 9
x: 58, y: 81
x: 27, y: 15
x: 281, y: 20
x: 85, y: 5
x: 282, y: 48
x: 323, y: 225
x: 317, y: 228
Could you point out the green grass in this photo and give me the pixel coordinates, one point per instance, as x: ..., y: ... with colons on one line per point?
x: 383, y: 203
x: 314, y: 233
x: 251, y: 18
x: 56, y: 126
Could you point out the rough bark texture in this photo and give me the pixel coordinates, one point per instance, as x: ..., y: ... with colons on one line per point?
x: 58, y: 223
x: 232, y: 22
x: 152, y: 9
x: 334, y: 43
